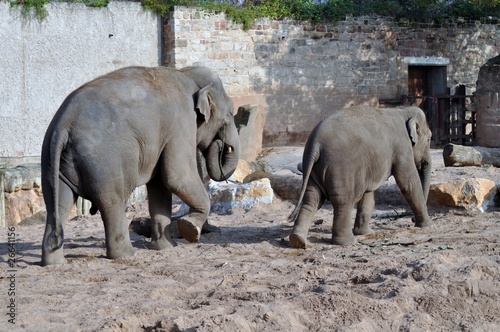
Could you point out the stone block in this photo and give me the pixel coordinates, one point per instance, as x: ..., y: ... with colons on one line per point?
x: 250, y: 123
x: 286, y: 184
x: 22, y: 177
x: 227, y: 197
x: 22, y: 205
x: 242, y: 171
x: 464, y: 193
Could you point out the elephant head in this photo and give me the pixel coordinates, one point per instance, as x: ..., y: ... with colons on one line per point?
x: 217, y: 136
x: 420, y: 136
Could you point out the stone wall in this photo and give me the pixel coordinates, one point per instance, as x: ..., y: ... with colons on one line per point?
x: 297, y: 73
x: 21, y: 197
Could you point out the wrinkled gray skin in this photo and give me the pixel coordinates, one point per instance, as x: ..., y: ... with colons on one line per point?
x: 132, y: 127
x: 348, y: 156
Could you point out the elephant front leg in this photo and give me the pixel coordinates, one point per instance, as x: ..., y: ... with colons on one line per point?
x: 196, y: 197
x: 160, y: 210
x: 411, y: 188
x: 180, y: 175
x: 313, y: 200
x: 364, y: 213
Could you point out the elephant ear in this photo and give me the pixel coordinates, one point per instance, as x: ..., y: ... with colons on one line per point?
x: 204, y: 102
x: 413, y: 130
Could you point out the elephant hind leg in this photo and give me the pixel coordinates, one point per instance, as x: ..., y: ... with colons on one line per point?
x: 313, y: 200
x: 52, y: 246
x: 116, y: 228
x: 342, y: 227
x: 364, y: 214
x: 160, y: 209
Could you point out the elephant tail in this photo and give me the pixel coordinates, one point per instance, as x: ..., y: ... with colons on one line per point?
x: 58, y: 141
x: 308, y: 161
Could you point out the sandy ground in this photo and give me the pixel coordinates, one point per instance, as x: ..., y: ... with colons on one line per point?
x: 248, y: 278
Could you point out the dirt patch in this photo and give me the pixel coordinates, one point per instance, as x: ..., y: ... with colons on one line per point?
x: 248, y: 278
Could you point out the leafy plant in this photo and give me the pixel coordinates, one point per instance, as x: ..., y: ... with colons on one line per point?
x: 314, y: 11
x: 31, y: 8
x: 96, y: 3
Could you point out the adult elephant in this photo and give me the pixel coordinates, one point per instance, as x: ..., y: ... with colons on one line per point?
x: 348, y: 156
x: 131, y: 127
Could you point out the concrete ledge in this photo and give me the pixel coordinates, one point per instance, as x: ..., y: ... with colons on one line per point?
x: 426, y: 61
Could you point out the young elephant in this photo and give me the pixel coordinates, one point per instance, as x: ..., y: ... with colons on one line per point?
x: 348, y: 156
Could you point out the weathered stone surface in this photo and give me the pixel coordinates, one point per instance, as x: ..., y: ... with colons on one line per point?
x: 242, y: 170
x: 22, y: 177
x: 464, y: 193
x: 250, y: 123
x: 286, y: 184
x: 226, y: 197
x: 487, y: 104
x: 246, y: 168
x: 459, y: 155
x: 21, y: 205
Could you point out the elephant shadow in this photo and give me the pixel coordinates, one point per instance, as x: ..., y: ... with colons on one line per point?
x: 24, y: 252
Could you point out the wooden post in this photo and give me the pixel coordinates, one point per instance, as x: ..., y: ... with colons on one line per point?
x: 458, y: 155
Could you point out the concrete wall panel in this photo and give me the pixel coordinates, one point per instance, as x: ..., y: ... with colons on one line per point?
x: 42, y: 62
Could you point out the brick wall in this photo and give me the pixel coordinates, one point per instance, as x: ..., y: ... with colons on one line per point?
x: 298, y: 73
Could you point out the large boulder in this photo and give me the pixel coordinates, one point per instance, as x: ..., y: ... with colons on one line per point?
x: 287, y: 183
x: 245, y: 171
x: 21, y: 194
x: 226, y: 197
x: 464, y: 193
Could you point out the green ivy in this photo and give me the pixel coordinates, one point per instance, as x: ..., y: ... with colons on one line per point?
x: 96, y: 3
x: 31, y: 8
x: 307, y: 10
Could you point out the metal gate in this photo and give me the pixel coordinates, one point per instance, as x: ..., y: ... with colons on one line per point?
x: 449, y: 118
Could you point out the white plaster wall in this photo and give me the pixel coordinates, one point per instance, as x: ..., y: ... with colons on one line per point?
x: 42, y: 62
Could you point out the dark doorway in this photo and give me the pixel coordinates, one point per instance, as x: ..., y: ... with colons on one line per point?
x: 425, y: 82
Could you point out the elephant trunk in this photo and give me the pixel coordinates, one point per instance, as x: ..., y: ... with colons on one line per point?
x: 222, y: 155
x: 425, y: 175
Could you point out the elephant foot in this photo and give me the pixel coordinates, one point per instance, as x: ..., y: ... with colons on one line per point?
x: 54, y: 258
x: 209, y: 228
x: 362, y: 231
x: 162, y: 243
x: 125, y: 251
x: 298, y: 241
x: 344, y: 240
x: 423, y: 223
x: 188, y: 229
